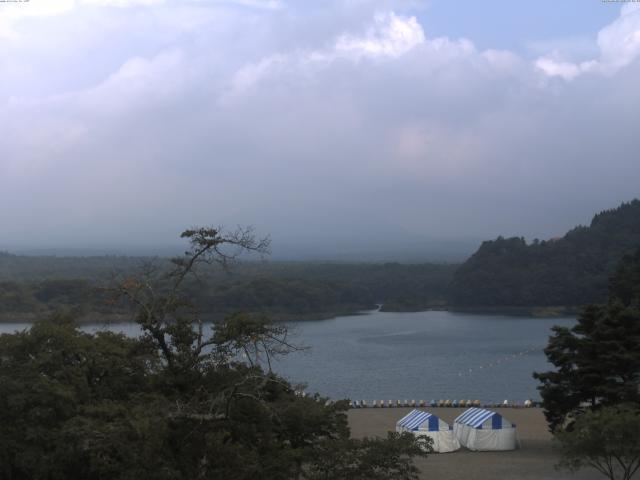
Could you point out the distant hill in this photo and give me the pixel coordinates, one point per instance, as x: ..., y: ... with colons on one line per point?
x: 32, y: 287
x: 568, y: 271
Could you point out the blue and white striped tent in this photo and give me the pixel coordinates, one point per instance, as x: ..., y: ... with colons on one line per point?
x: 426, y: 424
x: 485, y: 430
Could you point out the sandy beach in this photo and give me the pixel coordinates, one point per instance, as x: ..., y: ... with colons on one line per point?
x: 535, y: 459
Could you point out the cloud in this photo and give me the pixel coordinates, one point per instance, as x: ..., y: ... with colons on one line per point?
x: 119, y: 3
x: 12, y: 14
x: 260, y: 4
x: 125, y: 124
x: 554, y: 67
x: 618, y: 44
x: 390, y: 36
x: 137, y: 82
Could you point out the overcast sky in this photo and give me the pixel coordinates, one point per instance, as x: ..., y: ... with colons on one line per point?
x: 125, y: 121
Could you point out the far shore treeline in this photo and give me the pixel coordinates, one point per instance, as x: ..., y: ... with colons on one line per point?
x: 507, y: 275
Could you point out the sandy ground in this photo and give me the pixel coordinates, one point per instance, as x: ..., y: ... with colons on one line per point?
x: 534, y: 460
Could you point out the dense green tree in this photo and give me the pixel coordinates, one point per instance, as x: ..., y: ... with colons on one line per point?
x: 369, y: 459
x: 288, y: 290
x: 178, y: 402
x: 56, y: 384
x: 598, y: 360
x: 625, y: 284
x: 570, y: 271
x: 607, y: 440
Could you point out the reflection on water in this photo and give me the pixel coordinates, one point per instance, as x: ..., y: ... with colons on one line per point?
x: 425, y: 355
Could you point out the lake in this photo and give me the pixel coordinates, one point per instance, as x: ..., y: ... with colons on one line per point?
x: 424, y: 355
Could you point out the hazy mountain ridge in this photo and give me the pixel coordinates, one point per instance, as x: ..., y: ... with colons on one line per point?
x: 504, y: 273
x: 569, y: 271
x: 40, y: 285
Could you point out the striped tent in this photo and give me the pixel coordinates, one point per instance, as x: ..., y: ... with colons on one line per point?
x: 425, y: 424
x: 485, y: 430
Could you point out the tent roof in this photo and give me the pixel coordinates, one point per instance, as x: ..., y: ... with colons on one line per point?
x: 414, y: 419
x: 474, y: 417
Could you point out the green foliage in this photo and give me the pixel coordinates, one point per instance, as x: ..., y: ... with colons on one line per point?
x: 607, y: 440
x: 39, y: 268
x: 291, y: 290
x: 103, y: 406
x: 592, y: 399
x: 57, y: 385
x: 625, y: 284
x: 570, y: 271
x: 598, y: 360
x: 48, y: 296
x: 369, y: 459
x: 178, y: 402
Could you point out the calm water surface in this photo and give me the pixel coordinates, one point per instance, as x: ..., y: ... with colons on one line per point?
x: 425, y: 355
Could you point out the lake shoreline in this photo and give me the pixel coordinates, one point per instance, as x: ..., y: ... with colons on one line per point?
x: 93, y: 318
x: 380, y: 355
x: 122, y: 318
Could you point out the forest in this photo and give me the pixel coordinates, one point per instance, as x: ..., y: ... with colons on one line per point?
x: 177, y: 402
x: 31, y: 286
x: 568, y: 271
x: 505, y: 273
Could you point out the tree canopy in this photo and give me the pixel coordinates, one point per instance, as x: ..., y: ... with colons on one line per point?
x: 598, y: 360
x: 568, y: 271
x: 592, y: 398
x: 607, y: 440
x: 37, y: 286
x: 179, y: 402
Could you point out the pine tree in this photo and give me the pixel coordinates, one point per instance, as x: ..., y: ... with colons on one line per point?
x: 598, y: 360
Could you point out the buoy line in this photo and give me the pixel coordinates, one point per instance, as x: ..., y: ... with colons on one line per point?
x: 500, y: 361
